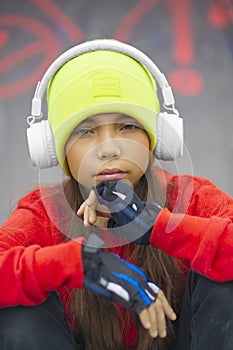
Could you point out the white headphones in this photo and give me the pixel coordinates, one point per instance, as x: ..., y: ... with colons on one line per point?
x: 169, y: 144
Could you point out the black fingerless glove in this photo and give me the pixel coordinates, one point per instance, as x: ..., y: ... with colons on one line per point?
x: 132, y: 219
x: 115, y: 279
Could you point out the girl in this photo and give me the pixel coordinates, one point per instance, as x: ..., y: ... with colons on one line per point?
x: 102, y: 111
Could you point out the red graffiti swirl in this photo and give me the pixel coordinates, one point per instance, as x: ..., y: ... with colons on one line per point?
x: 184, y: 80
x: 45, y: 45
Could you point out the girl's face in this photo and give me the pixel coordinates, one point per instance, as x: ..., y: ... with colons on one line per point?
x: 108, y: 147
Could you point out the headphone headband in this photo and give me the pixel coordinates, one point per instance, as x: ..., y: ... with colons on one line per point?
x: 96, y: 45
x: 169, y: 126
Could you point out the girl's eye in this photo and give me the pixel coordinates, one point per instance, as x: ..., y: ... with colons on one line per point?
x: 82, y: 132
x: 130, y: 126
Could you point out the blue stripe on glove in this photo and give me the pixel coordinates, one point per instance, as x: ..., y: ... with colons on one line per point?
x: 116, y: 279
x: 136, y: 284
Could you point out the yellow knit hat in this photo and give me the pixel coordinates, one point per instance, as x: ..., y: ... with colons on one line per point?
x: 100, y: 82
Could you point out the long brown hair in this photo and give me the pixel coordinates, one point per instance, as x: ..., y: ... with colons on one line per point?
x: 97, y: 320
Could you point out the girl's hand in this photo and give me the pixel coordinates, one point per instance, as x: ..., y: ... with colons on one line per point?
x: 132, y: 219
x: 88, y: 211
x: 116, y: 279
x: 154, y: 317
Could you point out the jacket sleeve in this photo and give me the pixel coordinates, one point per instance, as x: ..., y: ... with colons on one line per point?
x: 203, y: 233
x: 32, y: 264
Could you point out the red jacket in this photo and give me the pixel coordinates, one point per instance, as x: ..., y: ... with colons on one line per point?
x: 34, y: 260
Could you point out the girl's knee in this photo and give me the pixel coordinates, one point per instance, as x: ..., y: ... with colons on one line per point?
x: 211, y: 296
x: 18, y: 327
x: 214, y: 290
x: 35, y: 327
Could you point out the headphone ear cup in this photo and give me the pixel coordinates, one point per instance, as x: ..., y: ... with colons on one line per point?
x: 170, y: 142
x: 41, y: 145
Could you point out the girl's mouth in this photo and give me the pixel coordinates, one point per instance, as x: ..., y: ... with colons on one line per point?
x: 111, y: 175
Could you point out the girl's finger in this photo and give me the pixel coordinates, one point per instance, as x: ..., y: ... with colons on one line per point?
x: 148, y: 318
x: 153, y: 320
x: 91, y: 201
x: 89, y: 216
x: 169, y: 312
x: 85, y: 216
x: 81, y: 209
x: 145, y: 319
x: 92, y: 215
x: 161, y: 321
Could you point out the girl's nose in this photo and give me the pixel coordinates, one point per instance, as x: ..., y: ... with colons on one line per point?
x: 109, y: 150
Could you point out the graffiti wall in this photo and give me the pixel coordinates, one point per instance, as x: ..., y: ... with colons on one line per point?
x: 190, y: 40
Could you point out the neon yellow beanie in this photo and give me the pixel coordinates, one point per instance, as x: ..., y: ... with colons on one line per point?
x: 100, y: 82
